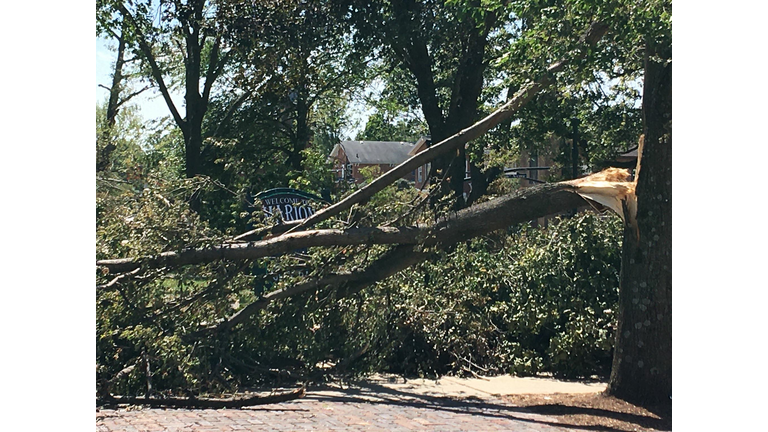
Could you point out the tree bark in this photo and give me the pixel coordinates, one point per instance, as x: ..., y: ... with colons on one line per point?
x: 642, y: 363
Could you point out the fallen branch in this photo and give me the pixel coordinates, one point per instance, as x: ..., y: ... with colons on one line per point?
x: 499, y: 213
x: 204, y: 403
x: 272, y: 247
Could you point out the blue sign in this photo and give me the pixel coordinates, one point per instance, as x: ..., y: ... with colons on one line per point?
x: 289, y: 204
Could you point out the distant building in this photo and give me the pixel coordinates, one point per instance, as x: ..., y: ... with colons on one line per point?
x: 350, y: 156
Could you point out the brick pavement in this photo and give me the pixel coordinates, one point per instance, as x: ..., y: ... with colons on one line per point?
x: 360, y: 408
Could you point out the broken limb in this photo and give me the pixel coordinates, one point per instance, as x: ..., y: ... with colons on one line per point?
x: 272, y: 247
x: 499, y: 213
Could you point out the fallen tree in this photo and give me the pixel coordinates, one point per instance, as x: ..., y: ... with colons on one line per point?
x: 520, y: 207
x: 610, y: 187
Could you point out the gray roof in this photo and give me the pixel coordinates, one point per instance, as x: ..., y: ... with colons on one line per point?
x: 628, y: 156
x: 376, y: 152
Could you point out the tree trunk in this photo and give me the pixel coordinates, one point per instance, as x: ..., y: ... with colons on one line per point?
x: 642, y: 362
x: 302, y: 137
x: 196, y: 106
x: 102, y: 158
x: 193, y: 144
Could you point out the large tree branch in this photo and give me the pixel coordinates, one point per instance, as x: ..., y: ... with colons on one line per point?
x: 522, y: 206
x: 272, y: 247
x: 525, y: 95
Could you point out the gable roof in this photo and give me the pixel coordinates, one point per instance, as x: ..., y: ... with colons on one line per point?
x: 420, y: 145
x: 374, y: 152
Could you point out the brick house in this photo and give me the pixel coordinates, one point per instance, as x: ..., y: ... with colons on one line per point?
x: 350, y: 156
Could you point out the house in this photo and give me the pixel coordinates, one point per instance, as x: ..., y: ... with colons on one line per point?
x: 349, y: 157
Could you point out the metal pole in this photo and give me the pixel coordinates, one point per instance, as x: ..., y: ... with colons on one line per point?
x: 575, y: 153
x: 574, y: 148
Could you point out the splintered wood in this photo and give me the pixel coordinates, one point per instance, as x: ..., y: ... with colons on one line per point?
x: 613, y: 188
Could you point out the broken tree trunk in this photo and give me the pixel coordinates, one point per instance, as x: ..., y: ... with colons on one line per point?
x: 642, y: 362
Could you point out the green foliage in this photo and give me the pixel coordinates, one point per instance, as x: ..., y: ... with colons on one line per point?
x: 380, y: 127
x: 538, y: 300
x: 541, y: 300
x: 316, y: 175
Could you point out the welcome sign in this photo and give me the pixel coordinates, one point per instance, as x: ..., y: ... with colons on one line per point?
x: 290, y: 204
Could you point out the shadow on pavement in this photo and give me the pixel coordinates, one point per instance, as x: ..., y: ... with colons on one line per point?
x: 663, y: 423
x: 371, y: 393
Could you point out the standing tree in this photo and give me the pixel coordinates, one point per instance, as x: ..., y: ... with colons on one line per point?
x: 193, y: 30
x: 117, y: 97
x: 642, y: 364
